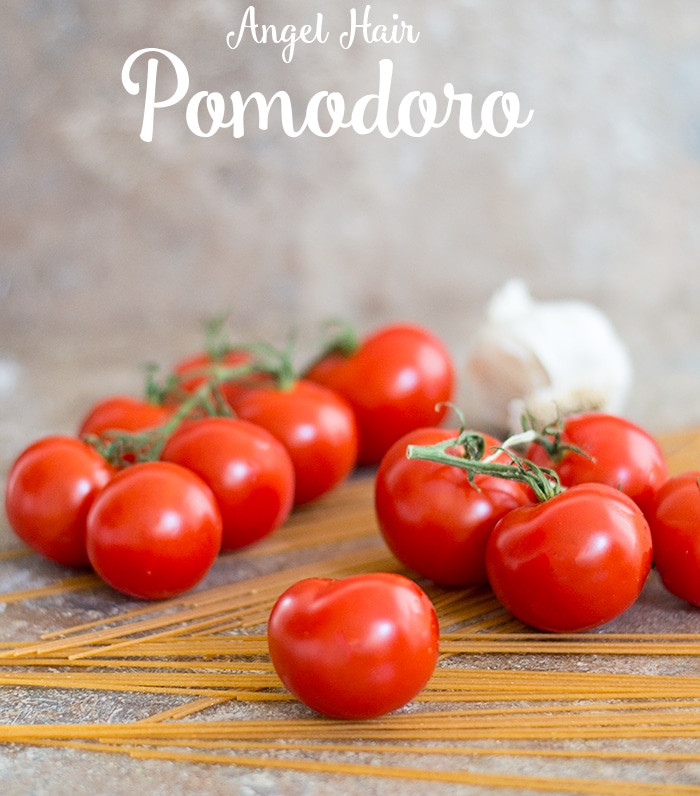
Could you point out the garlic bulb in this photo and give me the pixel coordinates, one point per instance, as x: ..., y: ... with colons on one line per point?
x: 548, y: 358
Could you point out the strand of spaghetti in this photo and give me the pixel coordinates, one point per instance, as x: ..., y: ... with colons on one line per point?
x: 76, y: 583
x: 556, y: 647
x: 592, y: 637
x: 500, y: 620
x: 617, y: 786
x: 547, y: 784
x: 473, y: 678
x: 443, y: 599
x: 450, y: 751
x: 170, y: 633
x: 7, y: 555
x: 188, y: 709
x: 535, y: 675
x: 480, y: 612
x: 114, y: 663
x: 144, y: 732
x: 450, y: 678
x: 230, y: 694
x: 454, y: 684
x: 100, y: 636
x: 231, y: 624
x: 207, y: 646
x: 542, y: 784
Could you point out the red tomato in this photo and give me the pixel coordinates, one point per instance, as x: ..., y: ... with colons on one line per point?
x: 123, y: 413
x: 573, y: 562
x: 154, y: 530
x: 49, y: 490
x: 618, y: 453
x: 191, y: 373
x: 674, y: 519
x: 248, y: 470
x: 432, y: 519
x: 394, y: 381
x: 316, y: 426
x: 192, y: 370
x: 354, y: 648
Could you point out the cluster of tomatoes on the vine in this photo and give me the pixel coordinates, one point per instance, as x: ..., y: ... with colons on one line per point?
x: 214, y: 458
x: 563, y: 523
x: 562, y: 532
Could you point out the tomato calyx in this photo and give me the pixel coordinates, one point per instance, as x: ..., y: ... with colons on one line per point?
x: 340, y: 338
x: 468, y: 452
x: 551, y: 439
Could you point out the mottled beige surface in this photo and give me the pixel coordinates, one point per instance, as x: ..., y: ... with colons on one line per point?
x: 112, y: 250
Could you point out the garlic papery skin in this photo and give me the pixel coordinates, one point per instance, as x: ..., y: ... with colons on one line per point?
x: 546, y: 358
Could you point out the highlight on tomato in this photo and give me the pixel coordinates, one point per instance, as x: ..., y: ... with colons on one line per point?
x: 50, y: 488
x: 595, y: 447
x: 154, y: 530
x: 249, y: 471
x: 674, y: 519
x: 433, y: 519
x: 396, y: 379
x: 354, y: 648
x: 574, y: 560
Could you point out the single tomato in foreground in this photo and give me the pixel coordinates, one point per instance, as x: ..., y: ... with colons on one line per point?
x: 154, y: 531
x: 395, y: 380
x: 315, y: 425
x: 613, y: 451
x: 433, y: 520
x: 246, y: 467
x: 123, y: 413
x: 572, y: 562
x: 674, y: 519
x: 50, y: 488
x: 354, y: 648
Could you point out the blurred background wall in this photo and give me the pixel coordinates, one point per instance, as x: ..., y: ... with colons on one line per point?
x: 113, y: 250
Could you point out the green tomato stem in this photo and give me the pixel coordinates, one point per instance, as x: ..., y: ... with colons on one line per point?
x: 466, y: 452
x: 123, y: 448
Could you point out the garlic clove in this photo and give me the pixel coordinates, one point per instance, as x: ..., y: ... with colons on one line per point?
x: 545, y: 357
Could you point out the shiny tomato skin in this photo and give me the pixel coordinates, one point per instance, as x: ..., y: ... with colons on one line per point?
x: 154, y: 531
x: 620, y: 454
x: 395, y: 382
x: 316, y: 426
x: 674, y: 519
x: 123, y: 413
x: 573, y: 562
x: 246, y: 467
x: 432, y: 519
x: 354, y: 648
x: 50, y: 487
